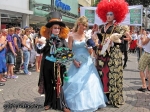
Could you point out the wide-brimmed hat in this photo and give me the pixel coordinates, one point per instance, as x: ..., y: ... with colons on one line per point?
x: 56, y: 18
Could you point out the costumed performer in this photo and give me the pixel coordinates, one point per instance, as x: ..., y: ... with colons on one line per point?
x: 51, y: 73
x: 83, y: 91
x: 109, y: 64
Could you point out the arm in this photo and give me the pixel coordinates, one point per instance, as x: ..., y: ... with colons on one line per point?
x: 3, y: 46
x: 11, y: 48
x: 90, y: 50
x: 128, y: 37
x: 70, y: 41
x: 145, y: 39
x: 36, y: 40
x: 15, y: 42
x: 137, y: 43
x: 42, y: 45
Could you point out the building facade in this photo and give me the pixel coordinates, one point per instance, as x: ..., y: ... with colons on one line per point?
x: 86, y: 3
x: 42, y: 8
x: 14, y: 13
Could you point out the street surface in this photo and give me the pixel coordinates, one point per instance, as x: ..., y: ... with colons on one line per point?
x: 23, y: 92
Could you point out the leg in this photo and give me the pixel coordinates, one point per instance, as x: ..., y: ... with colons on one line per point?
x: 8, y: 70
x: 143, y: 63
x: 138, y: 54
x: 11, y: 69
x: 26, y: 56
x: 48, y: 73
x: 125, y: 59
x: 142, y: 75
x: 1, y: 84
x: 18, y: 61
x: 37, y: 63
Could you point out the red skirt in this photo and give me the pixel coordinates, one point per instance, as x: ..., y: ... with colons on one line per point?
x: 133, y: 44
x: 103, y: 70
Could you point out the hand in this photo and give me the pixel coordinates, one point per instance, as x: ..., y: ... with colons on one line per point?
x: 41, y: 41
x: 5, y: 43
x: 18, y: 50
x: 140, y: 47
x: 77, y: 64
x: 29, y: 49
x: 15, y: 54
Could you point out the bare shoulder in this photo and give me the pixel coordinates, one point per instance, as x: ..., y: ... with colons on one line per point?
x: 25, y: 37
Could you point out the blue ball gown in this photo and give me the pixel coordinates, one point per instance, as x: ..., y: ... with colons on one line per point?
x: 83, y: 91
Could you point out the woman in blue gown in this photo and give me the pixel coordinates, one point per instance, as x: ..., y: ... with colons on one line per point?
x: 83, y: 91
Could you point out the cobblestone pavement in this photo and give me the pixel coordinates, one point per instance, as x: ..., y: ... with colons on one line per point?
x: 23, y: 91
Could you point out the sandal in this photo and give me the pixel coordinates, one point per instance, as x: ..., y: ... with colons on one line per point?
x: 2, y: 80
x: 148, y: 89
x: 47, y: 107
x: 142, y: 89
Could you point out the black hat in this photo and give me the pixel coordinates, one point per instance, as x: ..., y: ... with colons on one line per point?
x: 56, y: 18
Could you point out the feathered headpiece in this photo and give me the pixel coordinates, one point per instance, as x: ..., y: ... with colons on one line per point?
x: 118, y: 7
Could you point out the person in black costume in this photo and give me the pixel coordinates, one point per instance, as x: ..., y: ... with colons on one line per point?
x: 51, y: 72
x: 125, y: 39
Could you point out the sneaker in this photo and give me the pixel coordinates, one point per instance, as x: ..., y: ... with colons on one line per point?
x: 32, y: 65
x: 29, y: 73
x: 14, y: 77
x: 19, y: 72
x: 8, y: 77
x: 142, y: 89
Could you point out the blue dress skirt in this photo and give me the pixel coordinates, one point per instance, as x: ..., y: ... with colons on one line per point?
x: 83, y: 91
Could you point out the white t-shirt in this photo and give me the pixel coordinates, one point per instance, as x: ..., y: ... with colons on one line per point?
x: 139, y: 40
x: 147, y: 46
x: 134, y: 36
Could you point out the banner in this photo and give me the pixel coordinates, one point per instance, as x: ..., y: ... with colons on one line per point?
x: 133, y: 18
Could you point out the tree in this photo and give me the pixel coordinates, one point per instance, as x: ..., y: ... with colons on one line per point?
x: 95, y: 3
x: 145, y: 3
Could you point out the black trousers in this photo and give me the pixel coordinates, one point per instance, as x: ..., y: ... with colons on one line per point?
x: 50, y: 80
x: 125, y: 57
x: 48, y: 72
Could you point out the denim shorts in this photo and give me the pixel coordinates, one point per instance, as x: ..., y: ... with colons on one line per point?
x: 10, y: 58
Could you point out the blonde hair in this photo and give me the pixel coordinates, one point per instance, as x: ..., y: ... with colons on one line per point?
x: 26, y: 30
x: 83, y: 20
x: 11, y: 30
x: 125, y: 28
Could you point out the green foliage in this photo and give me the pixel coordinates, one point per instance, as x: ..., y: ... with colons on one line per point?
x: 145, y: 3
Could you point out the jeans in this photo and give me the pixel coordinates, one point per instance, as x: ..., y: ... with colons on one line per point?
x: 26, y: 56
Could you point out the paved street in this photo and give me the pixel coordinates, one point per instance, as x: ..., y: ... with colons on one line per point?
x: 23, y: 91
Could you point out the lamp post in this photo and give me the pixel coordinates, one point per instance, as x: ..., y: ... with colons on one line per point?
x: 52, y: 5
